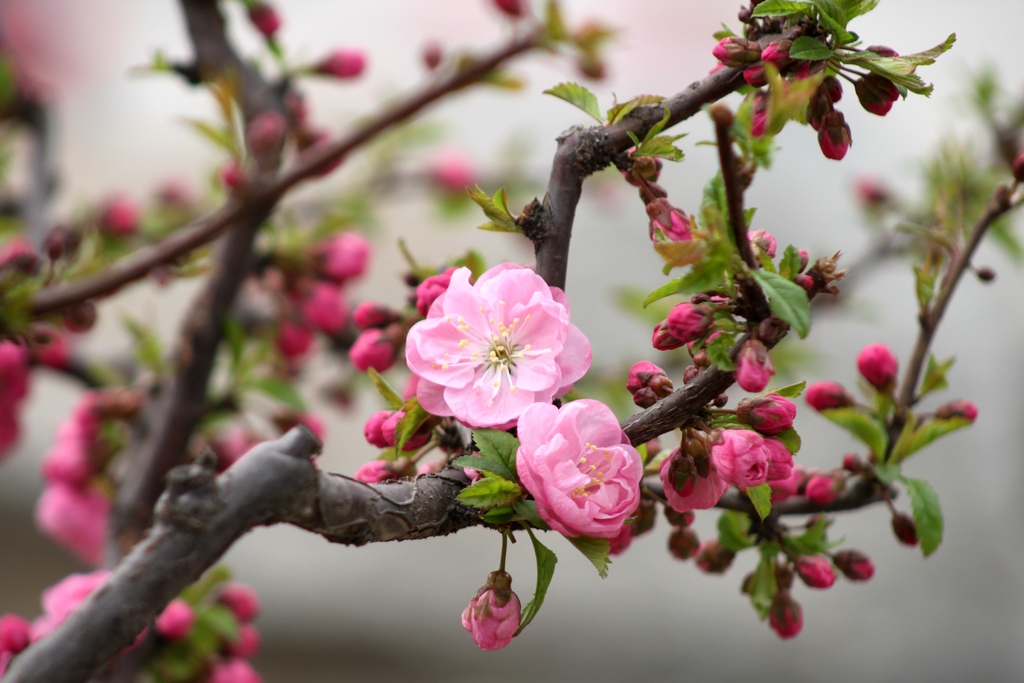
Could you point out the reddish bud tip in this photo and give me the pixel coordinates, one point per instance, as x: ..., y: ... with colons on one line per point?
x: 825, y: 395
x: 879, y: 366
x: 905, y: 529
x: 959, y: 408
x: 855, y: 565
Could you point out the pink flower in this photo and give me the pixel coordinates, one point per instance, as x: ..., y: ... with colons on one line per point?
x: 74, y: 518
x: 345, y: 62
x: 762, y: 242
x: 233, y: 671
x: 176, y: 620
x: 622, y: 540
x: 492, y: 616
x: 789, y: 486
x: 960, y: 408
x: 488, y: 350
x: 825, y: 395
x: 265, y: 19
x: 345, y: 256
x: 785, y: 615
x: 453, y: 171
x: 60, y: 600
x: 242, y: 600
x: 247, y: 644
x: 824, y: 488
x: 754, y: 366
x: 325, y: 308
x: 741, y: 458
x: 815, y: 571
x: 15, y: 633
x: 769, y: 414
x: 431, y: 288
x: 373, y: 429
x: 69, y: 461
x: 294, y: 340
x: 119, y: 216
x: 696, y: 493
x: 878, y: 365
x: 373, y: 349
x: 578, y: 465
x: 834, y: 137
x: 855, y: 565
x: 372, y: 314
x: 688, y: 322
x: 375, y: 472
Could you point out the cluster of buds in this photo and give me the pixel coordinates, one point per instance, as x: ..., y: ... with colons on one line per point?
x: 648, y: 383
x: 686, y: 322
x: 683, y: 542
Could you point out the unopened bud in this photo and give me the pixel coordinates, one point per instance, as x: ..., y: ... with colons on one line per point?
x: 643, y: 518
x: 683, y: 543
x: 648, y: 383
x: 876, y: 93
x: 265, y: 19
x: 769, y: 414
x: 855, y: 565
x: 785, y: 615
x: 662, y: 339
x: 265, y: 133
x: 432, y: 55
x: 905, y: 529
x: 825, y: 395
x: 824, y: 488
x: 690, y: 373
x: 345, y: 62
x: 815, y: 571
x: 80, y: 317
x: 737, y: 51
x: 713, y: 557
x: 961, y: 408
x: 754, y: 76
x: 832, y: 88
x: 879, y: 366
x: 371, y: 314
x: 753, y: 366
x: 834, y: 137
x: 777, y: 53
x: 853, y: 463
x: 986, y: 273
x: 679, y: 518
x: 882, y: 50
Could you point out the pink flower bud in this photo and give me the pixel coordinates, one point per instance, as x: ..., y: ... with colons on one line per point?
x: 824, y: 488
x: 780, y: 460
x: 685, y: 489
x: 662, y: 339
x: 777, y: 53
x: 762, y: 242
x: 648, y: 383
x: 740, y: 457
x: 15, y: 633
x: 960, y: 408
x: 373, y: 429
x: 683, y: 543
x: 674, y: 225
x: 769, y: 414
x: 754, y: 366
x: 876, y: 93
x: 265, y: 19
x: 853, y: 463
x: 372, y: 314
x: 815, y: 571
x: 294, y: 340
x: 247, y: 644
x: 688, y: 322
x: 431, y: 288
x: 855, y: 565
x: 119, y: 216
x: 878, y: 365
x: 905, y: 529
x: 74, y: 518
x: 390, y: 426
x: 492, y: 616
x: 14, y: 372
x: 51, y: 348
x: 832, y: 88
x: 1018, y: 167
x: 834, y: 137
x: 819, y: 106
x: 736, y: 51
x: 713, y: 557
x: 233, y: 671
x: 513, y: 8
x: 622, y: 541
x: 345, y: 62
x: 432, y: 55
x: 759, y: 118
x: 375, y: 472
x: 69, y: 461
x: 344, y: 256
x: 453, y: 171
x: 230, y: 174
x: 882, y: 50
x: 785, y: 615
x: 325, y: 308
x: 754, y: 76
x: 788, y: 487
x: 825, y: 395
x: 176, y: 620
x: 242, y: 600
x: 265, y: 133
x: 373, y: 349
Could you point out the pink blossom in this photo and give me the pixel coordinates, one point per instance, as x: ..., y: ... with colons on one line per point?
x: 855, y: 565
x: 233, y: 671
x: 696, y: 492
x: 431, y: 288
x: 176, y: 620
x: 823, y: 488
x: 762, y: 242
x: 788, y: 487
x: 247, y: 644
x: 579, y: 466
x: 780, y: 460
x: 265, y: 19
x: 409, y: 390
x: 242, y: 600
x: 741, y: 458
x: 373, y: 314
x: 959, y: 408
x: 15, y: 633
x: 345, y: 62
x: 373, y: 429
x: 119, y: 216
x: 373, y: 349
x: 754, y: 366
x: 878, y: 365
x: 688, y: 322
x: 345, y: 256
x: 825, y: 395
x: 325, y: 308
x: 74, y: 518
x: 785, y: 615
x: 493, y: 614
x: 622, y: 540
x: 60, y: 600
x: 488, y: 350
x: 769, y: 414
x: 294, y: 340
x: 453, y: 170
x: 375, y: 472
x: 815, y: 571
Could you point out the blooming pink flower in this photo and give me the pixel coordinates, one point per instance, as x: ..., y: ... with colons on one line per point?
x: 741, y: 458
x: 453, y: 171
x: 762, y: 242
x: 825, y: 395
x: 697, y: 493
x: 855, y: 565
x: 15, y: 633
x: 823, y: 488
x: 247, y: 644
x: 325, y: 308
x: 785, y: 615
x: 493, y: 614
x: 488, y: 350
x: 431, y: 288
x: 579, y: 466
x: 74, y: 518
x: 878, y: 365
x: 176, y: 620
x: 60, y: 600
x: 754, y: 366
x: 769, y: 414
x: 233, y: 671
x: 345, y: 256
x: 815, y: 571
x: 373, y: 349
x: 375, y: 472
x: 242, y: 600
x: 958, y: 408
x: 345, y: 62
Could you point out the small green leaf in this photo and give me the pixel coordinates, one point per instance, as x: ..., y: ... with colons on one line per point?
x: 734, y: 530
x: 501, y: 219
x: 491, y: 226
x: 761, y: 497
x: 527, y: 509
x: 490, y: 492
x: 578, y: 96
x: 221, y: 620
x: 930, y: 431
x: 790, y: 439
x: 657, y: 127
x: 413, y: 419
x: 865, y: 427
x: 501, y: 446
x: 594, y: 549
x: 546, y: 561
x: 554, y: 29
x: 280, y: 390
x: 808, y: 48
x: 789, y: 266
x: 393, y: 398
x: 813, y: 541
x: 790, y: 390
x: 787, y: 300
x: 935, y: 375
x: 718, y: 352
x: 220, y: 136
x: 697, y: 280
x: 503, y: 514
x: 888, y: 473
x: 620, y: 111
x: 927, y: 514
x: 484, y: 463
x: 661, y: 146
x: 148, y: 349
x: 782, y: 8
x: 763, y: 586
x: 924, y: 286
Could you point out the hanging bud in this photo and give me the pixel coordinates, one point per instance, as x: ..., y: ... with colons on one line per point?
x: 961, y: 408
x: 769, y: 414
x: 119, y: 216
x: 879, y: 366
x: 832, y: 88
x: 818, y: 107
x: 986, y: 273
x: 876, y: 93
x: 815, y: 571
x: 679, y: 518
x: 374, y: 348
x: 759, y: 115
x: 825, y: 395
x: 647, y: 383
x: 513, y: 8
x: 855, y: 565
x: 1018, y: 167
x: 785, y: 615
x: 493, y: 614
x: 834, y: 137
x: 370, y: 314
x: 344, y: 62
x: 905, y: 529
x: 673, y: 224
x: 432, y: 55
x: 683, y: 543
x: 713, y: 557
x: 265, y: 19
x: 753, y: 366
x: 662, y: 339
x: 737, y: 51
x: 61, y: 241
x: 643, y: 518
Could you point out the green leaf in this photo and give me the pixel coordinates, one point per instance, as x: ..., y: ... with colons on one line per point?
x: 545, y: 570
x: 789, y: 266
x: 888, y: 473
x: 221, y: 620
x: 930, y: 431
x: 865, y: 427
x: 220, y: 136
x: 280, y: 390
x: 491, y: 226
x: 782, y: 8
x: 790, y: 439
x: 808, y: 48
x: 935, y: 375
x: 495, y: 209
x: 718, y: 352
x: 393, y: 398
x: 899, y: 449
x: 490, y: 492
x: 657, y: 127
x: 527, y: 509
x: 594, y: 549
x: 148, y: 349
x: 697, y: 280
x: 763, y: 586
x: 661, y: 146
x: 554, y: 30
x: 787, y: 300
x: 483, y: 463
x: 924, y: 285
x: 578, y: 96
x: 734, y: 530
x: 620, y: 111
x: 790, y: 390
x: 761, y: 497
x: 501, y: 446
x: 503, y: 514
x: 813, y: 541
x: 413, y: 419
x: 927, y: 514
x: 856, y: 8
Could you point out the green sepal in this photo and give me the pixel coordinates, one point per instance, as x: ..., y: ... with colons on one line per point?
x: 790, y: 439
x: 527, y: 509
x: 415, y: 416
x: 808, y: 48
x: 935, y: 375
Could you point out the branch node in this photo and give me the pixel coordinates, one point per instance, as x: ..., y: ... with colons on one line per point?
x: 532, y: 223
x: 192, y: 497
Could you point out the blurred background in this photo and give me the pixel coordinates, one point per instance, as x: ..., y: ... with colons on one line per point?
x: 391, y: 611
